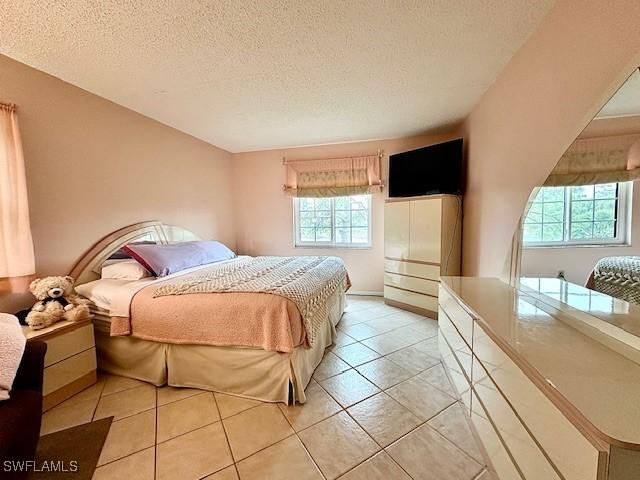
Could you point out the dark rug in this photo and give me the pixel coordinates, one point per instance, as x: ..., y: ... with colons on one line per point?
x: 71, y: 453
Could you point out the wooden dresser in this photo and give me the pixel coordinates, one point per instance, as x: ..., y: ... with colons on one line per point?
x: 546, y: 400
x: 70, y: 363
x: 421, y: 242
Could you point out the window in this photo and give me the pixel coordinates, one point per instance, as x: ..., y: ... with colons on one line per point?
x: 337, y: 221
x: 578, y: 215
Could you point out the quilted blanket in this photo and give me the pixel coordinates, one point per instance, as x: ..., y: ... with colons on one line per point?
x: 618, y: 277
x: 307, y: 281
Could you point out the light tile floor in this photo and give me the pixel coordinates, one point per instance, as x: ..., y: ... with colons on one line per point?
x: 379, y: 407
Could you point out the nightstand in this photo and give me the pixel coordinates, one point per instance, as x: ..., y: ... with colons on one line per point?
x: 70, y: 363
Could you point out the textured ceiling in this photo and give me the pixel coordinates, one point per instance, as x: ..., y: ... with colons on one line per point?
x: 272, y: 73
x: 626, y: 101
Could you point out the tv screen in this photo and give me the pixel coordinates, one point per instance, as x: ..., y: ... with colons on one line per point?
x: 430, y: 170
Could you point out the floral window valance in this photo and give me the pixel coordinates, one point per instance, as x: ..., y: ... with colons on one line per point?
x: 334, y: 177
x: 598, y: 160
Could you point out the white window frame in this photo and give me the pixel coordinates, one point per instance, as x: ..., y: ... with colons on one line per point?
x: 623, y: 224
x: 298, y: 243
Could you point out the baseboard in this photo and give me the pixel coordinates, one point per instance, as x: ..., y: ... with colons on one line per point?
x: 365, y: 293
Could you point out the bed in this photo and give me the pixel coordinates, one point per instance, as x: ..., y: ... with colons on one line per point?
x: 617, y: 276
x: 180, y: 331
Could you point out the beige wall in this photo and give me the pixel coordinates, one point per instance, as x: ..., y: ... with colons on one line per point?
x: 554, y: 85
x: 264, y: 221
x: 93, y: 166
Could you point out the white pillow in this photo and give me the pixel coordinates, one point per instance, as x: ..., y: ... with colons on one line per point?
x: 101, y: 292
x: 125, y: 270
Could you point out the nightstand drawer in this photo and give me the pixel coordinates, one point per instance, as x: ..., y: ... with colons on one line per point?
x: 66, y: 371
x: 69, y: 344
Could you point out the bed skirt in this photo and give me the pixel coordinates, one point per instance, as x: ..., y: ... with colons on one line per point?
x: 246, y: 372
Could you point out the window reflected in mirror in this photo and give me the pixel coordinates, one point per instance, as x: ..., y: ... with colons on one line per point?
x: 582, y: 224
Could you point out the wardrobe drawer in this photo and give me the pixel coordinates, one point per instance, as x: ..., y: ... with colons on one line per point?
x: 69, y: 344
x: 493, y: 446
x: 420, y: 285
x: 416, y: 299
x: 66, y: 371
x: 421, y: 270
x: 524, y: 450
x: 458, y: 316
x: 568, y: 449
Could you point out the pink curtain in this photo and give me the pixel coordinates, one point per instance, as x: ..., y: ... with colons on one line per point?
x: 16, y: 245
x: 333, y: 177
x: 595, y: 160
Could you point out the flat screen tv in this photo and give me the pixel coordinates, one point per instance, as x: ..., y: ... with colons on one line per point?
x: 430, y: 170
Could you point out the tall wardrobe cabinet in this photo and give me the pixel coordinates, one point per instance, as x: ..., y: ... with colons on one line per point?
x: 422, y: 237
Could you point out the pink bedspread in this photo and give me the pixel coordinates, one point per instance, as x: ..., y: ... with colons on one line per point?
x: 257, y: 320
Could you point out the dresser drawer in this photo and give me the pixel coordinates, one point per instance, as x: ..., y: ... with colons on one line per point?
x: 69, y: 344
x: 421, y: 270
x: 458, y: 316
x: 487, y: 351
x: 66, y: 371
x: 416, y: 299
x: 420, y: 285
x: 525, y: 452
x: 568, y: 449
x: 493, y: 446
x: 461, y: 383
x: 460, y: 349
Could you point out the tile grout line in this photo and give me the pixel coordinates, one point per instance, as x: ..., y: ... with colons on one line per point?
x: 95, y: 409
x: 341, y: 407
x: 293, y: 429
x: 383, y: 354
x: 300, y: 439
x: 155, y: 440
x: 226, y: 436
x: 382, y: 449
x: 156, y: 443
x: 311, y: 456
x: 241, y: 411
x: 424, y: 422
x: 379, y: 333
x: 385, y: 357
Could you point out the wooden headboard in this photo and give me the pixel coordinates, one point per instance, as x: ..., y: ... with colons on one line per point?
x: 88, y: 267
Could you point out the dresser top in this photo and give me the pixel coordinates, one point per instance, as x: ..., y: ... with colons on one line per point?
x: 596, y: 387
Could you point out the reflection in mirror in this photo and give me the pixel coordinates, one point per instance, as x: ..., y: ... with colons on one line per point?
x: 583, y: 223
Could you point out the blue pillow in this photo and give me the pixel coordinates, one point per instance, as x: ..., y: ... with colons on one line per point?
x: 163, y: 260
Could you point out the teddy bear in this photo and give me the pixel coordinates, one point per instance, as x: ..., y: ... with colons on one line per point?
x: 57, y: 300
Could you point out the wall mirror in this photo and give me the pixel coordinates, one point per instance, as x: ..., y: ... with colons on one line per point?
x: 583, y: 223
